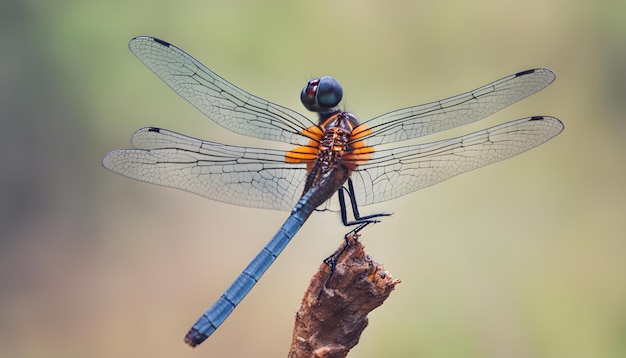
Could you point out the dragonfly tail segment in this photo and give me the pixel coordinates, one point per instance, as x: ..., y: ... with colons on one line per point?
x: 220, y: 310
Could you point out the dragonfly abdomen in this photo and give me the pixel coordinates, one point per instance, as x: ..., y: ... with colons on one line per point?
x: 220, y: 310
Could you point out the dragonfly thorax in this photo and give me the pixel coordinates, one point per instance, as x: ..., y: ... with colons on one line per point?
x: 332, y: 147
x: 337, y: 130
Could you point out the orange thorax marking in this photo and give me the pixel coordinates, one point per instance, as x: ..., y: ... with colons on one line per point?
x: 327, y: 136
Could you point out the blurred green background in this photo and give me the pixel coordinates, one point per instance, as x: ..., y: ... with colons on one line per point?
x: 525, y: 258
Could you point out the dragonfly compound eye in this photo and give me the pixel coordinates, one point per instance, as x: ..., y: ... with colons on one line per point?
x: 329, y: 92
x: 322, y: 94
x: 308, y: 95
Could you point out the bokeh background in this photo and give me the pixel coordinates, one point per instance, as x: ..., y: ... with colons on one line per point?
x: 525, y: 258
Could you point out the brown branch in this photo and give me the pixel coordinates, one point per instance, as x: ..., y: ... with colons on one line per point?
x: 330, y: 324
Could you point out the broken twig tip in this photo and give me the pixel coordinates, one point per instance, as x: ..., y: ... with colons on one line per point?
x: 329, y: 324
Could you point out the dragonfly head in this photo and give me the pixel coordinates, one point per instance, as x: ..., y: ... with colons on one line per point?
x: 322, y: 94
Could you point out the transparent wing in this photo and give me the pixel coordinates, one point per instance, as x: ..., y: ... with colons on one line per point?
x: 424, y: 119
x: 220, y: 100
x: 398, y: 171
x: 250, y: 177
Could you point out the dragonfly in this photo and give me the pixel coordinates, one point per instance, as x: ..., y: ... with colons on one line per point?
x: 336, y: 154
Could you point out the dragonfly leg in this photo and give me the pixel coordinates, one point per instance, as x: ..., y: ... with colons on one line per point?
x: 358, y: 219
x: 334, y: 258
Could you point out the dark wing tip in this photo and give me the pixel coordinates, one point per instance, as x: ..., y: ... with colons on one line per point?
x: 164, y: 43
x: 193, y: 337
x: 150, y: 38
x: 535, y: 70
x: 557, y: 123
x: 544, y: 118
x: 542, y: 76
x: 527, y: 72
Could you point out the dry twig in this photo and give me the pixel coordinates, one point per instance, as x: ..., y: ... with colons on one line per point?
x: 331, y: 319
